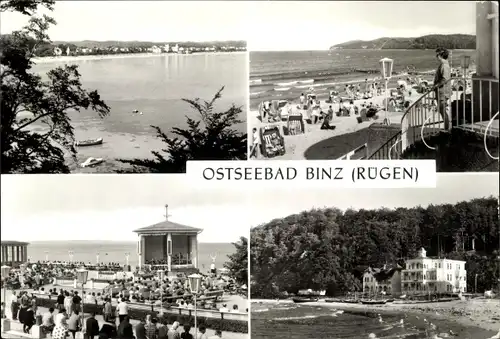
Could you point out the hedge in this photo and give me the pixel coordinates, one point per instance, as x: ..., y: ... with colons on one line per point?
x: 228, y: 325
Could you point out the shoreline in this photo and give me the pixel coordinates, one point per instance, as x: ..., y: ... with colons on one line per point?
x: 73, y: 58
x: 477, y: 313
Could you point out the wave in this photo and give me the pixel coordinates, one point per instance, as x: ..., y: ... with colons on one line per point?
x: 257, y: 93
x: 309, y: 81
x: 261, y: 310
x: 255, y: 81
x: 305, y: 317
x: 287, y: 83
x: 281, y: 89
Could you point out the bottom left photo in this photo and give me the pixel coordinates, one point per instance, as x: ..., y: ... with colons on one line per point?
x: 122, y: 257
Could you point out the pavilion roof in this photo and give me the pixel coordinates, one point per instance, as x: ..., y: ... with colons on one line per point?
x: 167, y: 227
x: 14, y: 243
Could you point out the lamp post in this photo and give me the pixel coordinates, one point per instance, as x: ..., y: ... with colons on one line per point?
x: 161, y: 275
x: 194, y: 286
x: 70, y: 254
x: 97, y: 258
x: 127, y: 257
x: 465, y: 67
x: 5, y: 275
x: 386, y: 71
x: 46, y: 255
x: 81, y: 276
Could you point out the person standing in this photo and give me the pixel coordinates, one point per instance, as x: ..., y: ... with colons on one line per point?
x: 218, y: 334
x: 254, y: 152
x: 122, y: 309
x: 186, y: 334
x: 140, y: 330
x: 14, y: 305
x: 91, y: 327
x: 61, y: 326
x: 125, y: 329
x: 48, y: 320
x: 28, y: 319
x: 150, y: 327
x: 442, y: 85
x: 173, y: 333
x: 75, y: 323
x: 202, y: 332
x: 108, y: 310
x: 163, y: 329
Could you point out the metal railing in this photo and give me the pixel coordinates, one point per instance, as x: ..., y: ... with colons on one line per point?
x: 422, y: 118
x: 358, y: 149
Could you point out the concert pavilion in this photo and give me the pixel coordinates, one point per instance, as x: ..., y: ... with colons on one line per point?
x: 168, y: 246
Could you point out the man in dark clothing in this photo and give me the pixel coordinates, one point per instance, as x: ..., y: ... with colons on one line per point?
x: 125, y: 330
x: 442, y: 85
x: 76, y: 302
x: 60, y: 301
x: 91, y: 327
x: 140, y: 330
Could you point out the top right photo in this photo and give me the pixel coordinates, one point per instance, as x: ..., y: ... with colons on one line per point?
x: 377, y: 81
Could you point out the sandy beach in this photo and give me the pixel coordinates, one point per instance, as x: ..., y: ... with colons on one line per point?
x: 482, y: 313
x: 66, y: 58
x: 297, y: 145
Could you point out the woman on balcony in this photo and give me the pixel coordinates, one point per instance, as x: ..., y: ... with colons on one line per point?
x: 442, y: 85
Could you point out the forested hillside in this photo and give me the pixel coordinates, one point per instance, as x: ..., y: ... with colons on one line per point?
x: 329, y: 249
x: 451, y: 41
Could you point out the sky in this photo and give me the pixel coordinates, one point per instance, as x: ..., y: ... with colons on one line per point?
x: 110, y: 207
x: 451, y: 188
x: 266, y: 25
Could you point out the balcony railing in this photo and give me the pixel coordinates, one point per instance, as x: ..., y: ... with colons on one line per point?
x: 422, y: 118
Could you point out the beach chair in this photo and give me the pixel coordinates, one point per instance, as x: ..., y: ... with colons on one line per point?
x: 273, y: 143
x: 295, y: 124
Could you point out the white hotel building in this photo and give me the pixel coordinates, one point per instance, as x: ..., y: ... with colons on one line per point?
x: 432, y: 275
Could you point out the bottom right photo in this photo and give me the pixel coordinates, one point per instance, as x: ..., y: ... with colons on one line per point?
x: 377, y: 263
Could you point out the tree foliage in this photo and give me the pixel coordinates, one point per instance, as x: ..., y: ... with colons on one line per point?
x: 211, y: 138
x: 238, y: 262
x: 330, y: 249
x: 28, y: 101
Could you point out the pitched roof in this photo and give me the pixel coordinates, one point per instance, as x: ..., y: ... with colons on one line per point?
x: 167, y: 226
x: 14, y: 243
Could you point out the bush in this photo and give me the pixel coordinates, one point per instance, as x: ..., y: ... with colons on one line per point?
x: 228, y: 325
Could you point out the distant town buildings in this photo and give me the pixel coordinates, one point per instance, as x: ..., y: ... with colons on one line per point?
x: 421, y: 275
x: 71, y: 49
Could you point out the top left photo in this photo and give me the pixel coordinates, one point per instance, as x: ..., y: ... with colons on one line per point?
x: 121, y: 86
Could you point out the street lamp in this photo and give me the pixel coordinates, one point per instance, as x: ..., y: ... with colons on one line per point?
x: 194, y: 286
x: 386, y: 71
x: 127, y: 257
x: 465, y: 67
x: 161, y: 275
x: 46, y: 255
x: 70, y: 254
x: 5, y: 275
x: 97, y: 258
x: 81, y: 276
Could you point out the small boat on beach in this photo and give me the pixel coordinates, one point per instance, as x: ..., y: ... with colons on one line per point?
x: 351, y: 301
x: 374, y: 302
x: 90, y: 142
x: 299, y: 300
x: 91, y: 162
